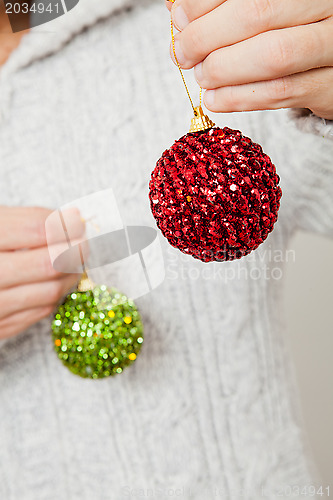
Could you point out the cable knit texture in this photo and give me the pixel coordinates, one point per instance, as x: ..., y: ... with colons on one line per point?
x: 209, y: 409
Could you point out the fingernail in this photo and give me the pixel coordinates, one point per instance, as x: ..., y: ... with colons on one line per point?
x: 73, y: 216
x: 180, y: 18
x: 209, y: 98
x: 179, y: 52
x: 198, y: 72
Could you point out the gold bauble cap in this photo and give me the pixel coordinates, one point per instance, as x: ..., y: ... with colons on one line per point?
x: 200, y: 121
x: 85, y: 283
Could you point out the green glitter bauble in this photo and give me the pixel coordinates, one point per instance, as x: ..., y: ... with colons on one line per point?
x: 97, y: 333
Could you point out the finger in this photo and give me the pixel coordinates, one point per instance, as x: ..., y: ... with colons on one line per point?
x: 17, y: 323
x: 33, y: 266
x: 296, y: 91
x: 24, y: 227
x: 185, y: 11
x: 168, y: 4
x: 268, y: 56
x: 238, y: 20
x: 24, y: 297
x: 274, y: 94
x: 69, y: 258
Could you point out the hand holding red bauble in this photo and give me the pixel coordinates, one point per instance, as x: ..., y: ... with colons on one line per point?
x: 214, y: 193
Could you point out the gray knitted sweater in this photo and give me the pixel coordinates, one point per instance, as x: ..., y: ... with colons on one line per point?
x: 209, y: 409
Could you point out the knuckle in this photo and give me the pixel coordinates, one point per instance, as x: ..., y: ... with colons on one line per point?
x: 279, y: 56
x: 260, y: 14
x: 195, y: 40
x: 230, y: 100
x: 280, y: 89
x: 213, y: 69
x: 314, y: 43
x: 313, y: 87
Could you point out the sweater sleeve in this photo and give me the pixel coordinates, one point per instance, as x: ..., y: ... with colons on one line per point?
x: 306, y: 121
x: 312, y: 173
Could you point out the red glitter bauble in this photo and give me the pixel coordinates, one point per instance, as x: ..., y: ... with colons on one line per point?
x: 215, y: 194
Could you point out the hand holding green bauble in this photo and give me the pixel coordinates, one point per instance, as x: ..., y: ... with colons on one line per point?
x: 97, y: 331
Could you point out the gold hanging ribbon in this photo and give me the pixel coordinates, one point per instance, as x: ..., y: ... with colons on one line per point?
x: 200, y: 121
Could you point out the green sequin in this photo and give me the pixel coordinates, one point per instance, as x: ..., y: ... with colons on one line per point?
x: 97, y: 333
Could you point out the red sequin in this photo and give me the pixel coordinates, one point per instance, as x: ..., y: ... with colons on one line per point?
x: 215, y: 194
